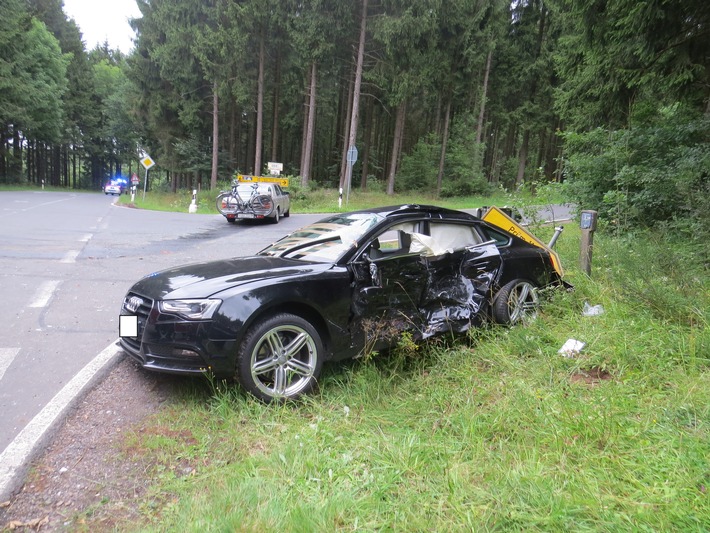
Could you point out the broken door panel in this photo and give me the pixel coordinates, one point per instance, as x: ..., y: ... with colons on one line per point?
x: 458, y: 287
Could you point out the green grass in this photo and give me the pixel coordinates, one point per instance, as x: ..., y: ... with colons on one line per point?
x: 315, y: 200
x: 495, y: 431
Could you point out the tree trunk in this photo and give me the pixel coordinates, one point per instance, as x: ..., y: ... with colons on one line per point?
x: 396, y: 145
x: 522, y: 159
x: 215, y: 136
x: 444, y: 141
x: 367, y: 141
x: 259, y: 107
x: 482, y: 112
x: 347, y: 123
x: 304, y: 129
x: 358, y: 80
x: 308, y: 151
x: 275, y: 122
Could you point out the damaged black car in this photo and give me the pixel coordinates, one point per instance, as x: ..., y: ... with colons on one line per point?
x: 332, y: 290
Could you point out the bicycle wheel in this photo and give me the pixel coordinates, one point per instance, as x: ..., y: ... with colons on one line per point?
x: 225, y: 203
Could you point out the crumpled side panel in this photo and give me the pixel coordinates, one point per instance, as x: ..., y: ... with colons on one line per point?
x: 457, y: 289
x: 424, y: 295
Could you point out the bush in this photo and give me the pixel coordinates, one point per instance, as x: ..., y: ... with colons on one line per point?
x: 419, y: 169
x: 463, y: 175
x: 655, y: 172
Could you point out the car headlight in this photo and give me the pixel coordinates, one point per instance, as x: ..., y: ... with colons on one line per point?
x: 190, y: 309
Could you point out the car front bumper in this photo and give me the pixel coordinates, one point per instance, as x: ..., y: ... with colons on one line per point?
x: 166, y: 343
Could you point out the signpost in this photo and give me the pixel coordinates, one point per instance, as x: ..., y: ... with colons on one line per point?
x: 275, y: 168
x: 147, y: 163
x: 588, y: 224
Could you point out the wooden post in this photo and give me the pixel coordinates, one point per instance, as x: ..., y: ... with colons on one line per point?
x: 588, y: 223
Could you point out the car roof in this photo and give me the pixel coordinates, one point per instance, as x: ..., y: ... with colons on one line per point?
x: 395, y: 211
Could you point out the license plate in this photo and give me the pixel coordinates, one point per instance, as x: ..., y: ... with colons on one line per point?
x: 246, y: 215
x: 128, y: 326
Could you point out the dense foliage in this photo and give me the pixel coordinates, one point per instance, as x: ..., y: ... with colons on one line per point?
x: 455, y: 97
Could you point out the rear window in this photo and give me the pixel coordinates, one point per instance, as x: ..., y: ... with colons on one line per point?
x: 499, y: 237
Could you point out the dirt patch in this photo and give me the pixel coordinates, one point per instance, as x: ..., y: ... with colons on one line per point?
x: 591, y: 376
x: 82, y: 481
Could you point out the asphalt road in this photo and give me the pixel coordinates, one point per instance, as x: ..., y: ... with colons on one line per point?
x: 66, y: 261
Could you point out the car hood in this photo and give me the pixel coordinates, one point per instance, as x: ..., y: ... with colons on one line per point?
x: 203, y: 280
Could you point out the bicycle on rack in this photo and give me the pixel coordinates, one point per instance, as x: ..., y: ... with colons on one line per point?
x: 233, y: 206
x: 266, y: 200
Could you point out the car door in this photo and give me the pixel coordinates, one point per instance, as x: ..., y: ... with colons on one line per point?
x: 389, y: 281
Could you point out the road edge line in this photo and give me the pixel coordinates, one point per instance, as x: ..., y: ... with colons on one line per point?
x: 15, y: 459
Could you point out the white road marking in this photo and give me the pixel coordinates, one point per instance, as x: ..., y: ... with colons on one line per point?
x: 7, y: 356
x: 86, y: 238
x: 70, y: 256
x: 44, y: 292
x: 18, y: 453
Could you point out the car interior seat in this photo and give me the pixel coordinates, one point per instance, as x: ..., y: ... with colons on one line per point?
x: 374, y: 252
x: 405, y: 241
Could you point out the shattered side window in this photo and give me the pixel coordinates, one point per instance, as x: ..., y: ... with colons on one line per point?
x: 448, y: 238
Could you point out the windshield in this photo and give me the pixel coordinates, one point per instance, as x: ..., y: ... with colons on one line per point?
x: 327, y: 240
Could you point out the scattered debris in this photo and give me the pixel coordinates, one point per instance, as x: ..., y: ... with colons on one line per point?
x: 592, y: 310
x: 36, y: 524
x: 571, y: 348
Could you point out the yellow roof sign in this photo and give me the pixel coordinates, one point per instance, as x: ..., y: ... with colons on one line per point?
x: 498, y: 218
x: 245, y: 178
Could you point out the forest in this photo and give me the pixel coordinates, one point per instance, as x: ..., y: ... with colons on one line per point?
x: 608, y: 98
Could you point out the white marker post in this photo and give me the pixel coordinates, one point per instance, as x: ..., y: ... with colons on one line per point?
x: 193, y: 205
x: 134, y: 183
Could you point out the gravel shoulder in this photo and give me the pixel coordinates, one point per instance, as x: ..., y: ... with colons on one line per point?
x: 82, y: 481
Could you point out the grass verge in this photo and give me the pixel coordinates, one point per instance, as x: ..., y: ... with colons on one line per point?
x: 317, y: 200
x: 495, y: 431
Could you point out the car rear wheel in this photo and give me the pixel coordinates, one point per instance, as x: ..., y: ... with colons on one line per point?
x: 280, y: 359
x: 515, y: 303
x: 277, y: 216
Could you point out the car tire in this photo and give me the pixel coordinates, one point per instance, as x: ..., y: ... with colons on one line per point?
x: 287, y: 213
x: 231, y: 220
x: 515, y: 303
x: 277, y: 216
x: 280, y: 358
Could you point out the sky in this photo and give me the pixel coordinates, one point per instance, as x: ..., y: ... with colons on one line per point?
x: 101, y: 20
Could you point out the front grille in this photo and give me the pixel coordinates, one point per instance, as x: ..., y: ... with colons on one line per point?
x: 142, y: 311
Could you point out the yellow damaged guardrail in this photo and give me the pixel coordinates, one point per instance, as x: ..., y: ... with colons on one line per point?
x: 498, y: 218
x: 246, y: 178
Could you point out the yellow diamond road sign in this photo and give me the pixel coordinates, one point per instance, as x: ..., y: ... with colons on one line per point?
x: 147, y: 162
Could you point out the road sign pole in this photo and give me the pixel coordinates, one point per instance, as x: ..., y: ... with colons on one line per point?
x: 347, y: 180
x: 145, y: 183
x: 351, y: 158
